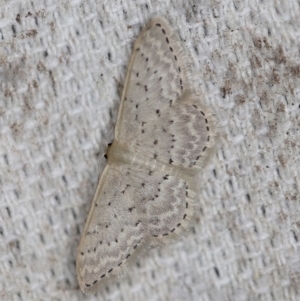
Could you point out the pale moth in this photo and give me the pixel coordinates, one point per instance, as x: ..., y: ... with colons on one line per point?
x: 162, y: 138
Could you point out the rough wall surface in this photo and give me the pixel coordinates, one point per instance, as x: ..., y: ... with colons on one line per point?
x: 59, y: 61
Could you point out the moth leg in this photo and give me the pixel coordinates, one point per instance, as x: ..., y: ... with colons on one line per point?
x: 120, y: 87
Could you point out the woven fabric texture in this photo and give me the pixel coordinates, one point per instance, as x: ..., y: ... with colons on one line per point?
x: 60, y: 64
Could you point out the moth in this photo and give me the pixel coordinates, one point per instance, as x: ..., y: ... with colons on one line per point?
x: 163, y: 135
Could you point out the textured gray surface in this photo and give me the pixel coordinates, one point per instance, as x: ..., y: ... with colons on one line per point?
x: 58, y: 102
